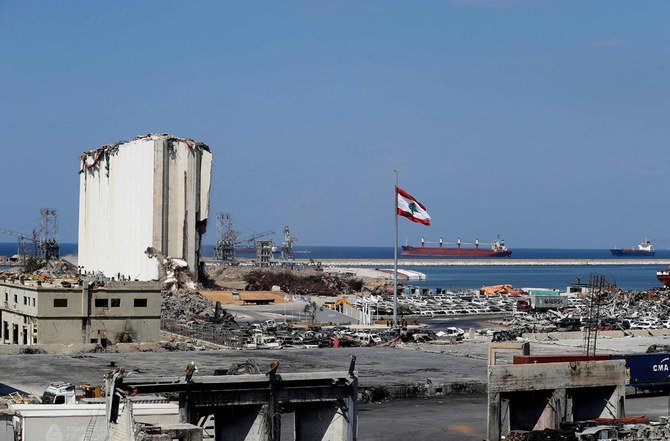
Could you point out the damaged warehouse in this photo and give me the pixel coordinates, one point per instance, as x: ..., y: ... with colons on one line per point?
x: 152, y: 191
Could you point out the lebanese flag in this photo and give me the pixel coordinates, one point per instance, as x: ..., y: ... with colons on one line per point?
x: 411, y: 208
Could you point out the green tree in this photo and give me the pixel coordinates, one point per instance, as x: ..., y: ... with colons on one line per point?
x: 311, y: 309
x: 34, y: 264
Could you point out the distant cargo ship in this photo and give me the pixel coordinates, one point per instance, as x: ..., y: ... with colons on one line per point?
x: 497, y: 249
x: 643, y: 249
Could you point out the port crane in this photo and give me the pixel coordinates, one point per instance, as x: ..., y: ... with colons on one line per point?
x: 227, y: 238
x: 22, y: 240
x: 251, y: 240
x: 224, y: 250
x: 44, y: 240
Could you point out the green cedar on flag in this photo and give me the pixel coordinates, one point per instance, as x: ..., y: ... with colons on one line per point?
x: 411, y: 208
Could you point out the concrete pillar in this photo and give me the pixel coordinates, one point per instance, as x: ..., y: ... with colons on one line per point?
x: 493, y: 416
x: 123, y: 429
x: 615, y: 403
x: 569, y: 414
x: 243, y: 423
x: 324, y: 422
x: 554, y: 411
x: 187, y: 413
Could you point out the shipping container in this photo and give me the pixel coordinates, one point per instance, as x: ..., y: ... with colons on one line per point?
x: 648, y: 371
x: 548, y: 302
x: 541, y: 291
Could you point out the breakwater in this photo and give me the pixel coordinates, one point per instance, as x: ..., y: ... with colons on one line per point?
x: 493, y: 262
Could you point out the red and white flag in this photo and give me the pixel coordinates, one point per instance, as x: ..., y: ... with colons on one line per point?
x: 411, y: 208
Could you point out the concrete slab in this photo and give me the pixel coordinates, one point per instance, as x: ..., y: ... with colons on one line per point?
x: 375, y: 366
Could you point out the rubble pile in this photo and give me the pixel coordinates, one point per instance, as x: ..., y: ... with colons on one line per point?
x: 301, y: 284
x: 542, y: 435
x: 181, y: 304
x: 632, y: 428
x: 228, y: 273
x: 173, y: 273
x: 620, y: 310
x: 52, y: 269
x: 59, y: 268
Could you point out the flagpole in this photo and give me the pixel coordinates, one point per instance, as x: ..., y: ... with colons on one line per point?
x: 395, y: 252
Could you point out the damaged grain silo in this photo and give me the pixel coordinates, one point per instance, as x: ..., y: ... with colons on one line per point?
x: 152, y: 191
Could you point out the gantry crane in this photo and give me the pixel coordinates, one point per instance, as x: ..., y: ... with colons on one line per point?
x: 22, y: 240
x: 227, y: 238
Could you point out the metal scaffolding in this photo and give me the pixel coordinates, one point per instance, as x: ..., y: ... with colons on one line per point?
x: 226, y: 237
x: 287, y: 245
x: 48, y: 247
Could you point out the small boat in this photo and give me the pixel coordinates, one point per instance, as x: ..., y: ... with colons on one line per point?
x: 643, y: 249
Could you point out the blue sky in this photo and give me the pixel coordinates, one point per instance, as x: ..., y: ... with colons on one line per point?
x: 544, y: 121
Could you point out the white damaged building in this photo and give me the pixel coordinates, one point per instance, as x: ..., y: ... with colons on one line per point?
x: 152, y: 191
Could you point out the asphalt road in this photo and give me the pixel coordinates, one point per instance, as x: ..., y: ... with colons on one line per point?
x: 448, y: 419
x: 457, y: 418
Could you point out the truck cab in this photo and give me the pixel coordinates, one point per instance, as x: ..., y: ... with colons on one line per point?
x: 59, y: 393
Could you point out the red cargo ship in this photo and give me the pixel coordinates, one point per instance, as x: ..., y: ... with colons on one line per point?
x: 497, y: 249
x: 663, y: 276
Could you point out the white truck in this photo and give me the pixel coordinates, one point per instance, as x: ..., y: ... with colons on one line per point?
x: 59, y: 393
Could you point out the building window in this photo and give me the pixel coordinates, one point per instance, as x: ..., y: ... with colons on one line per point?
x: 60, y: 303
x: 33, y: 301
x: 16, y: 298
x: 6, y: 297
x: 140, y: 303
x: 25, y: 300
x: 101, y: 303
x: 116, y: 303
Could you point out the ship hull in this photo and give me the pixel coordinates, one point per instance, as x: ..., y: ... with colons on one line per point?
x: 631, y: 252
x: 663, y: 277
x: 452, y: 252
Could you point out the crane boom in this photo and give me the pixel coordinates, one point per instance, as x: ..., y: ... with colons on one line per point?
x: 21, y: 239
x: 18, y: 235
x: 252, y: 238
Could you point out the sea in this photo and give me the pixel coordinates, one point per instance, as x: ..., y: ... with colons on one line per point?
x: 628, y: 277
